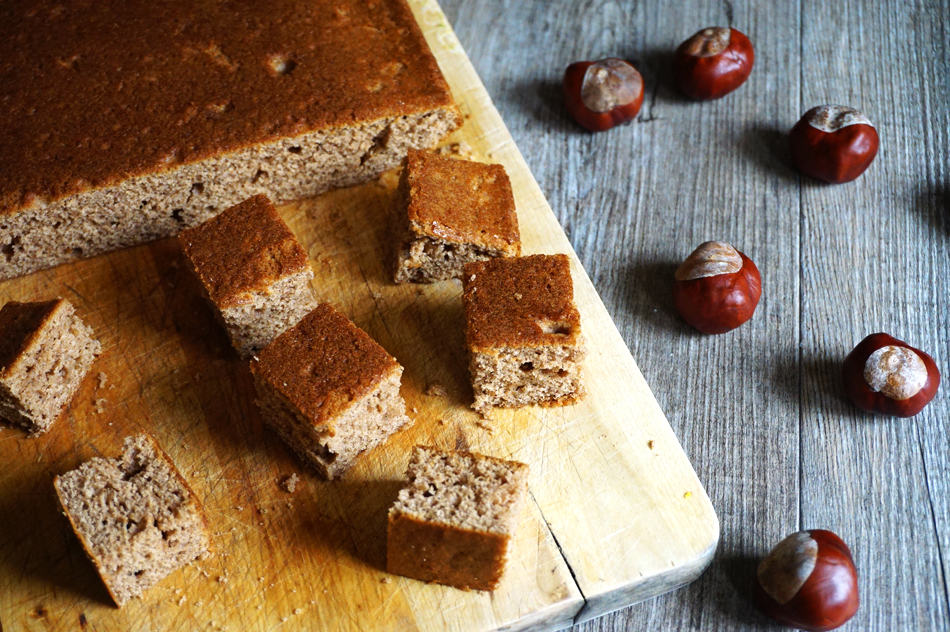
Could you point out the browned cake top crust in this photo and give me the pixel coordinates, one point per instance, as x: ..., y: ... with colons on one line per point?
x: 96, y: 92
x: 322, y: 364
x: 520, y: 302
x: 461, y: 201
x: 19, y: 322
x: 244, y: 249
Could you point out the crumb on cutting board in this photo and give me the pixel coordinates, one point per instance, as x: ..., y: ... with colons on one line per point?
x: 289, y: 483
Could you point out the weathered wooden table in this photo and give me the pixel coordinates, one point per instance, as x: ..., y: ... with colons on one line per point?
x: 759, y: 410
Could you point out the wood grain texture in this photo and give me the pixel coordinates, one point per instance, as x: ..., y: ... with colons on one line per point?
x: 759, y: 410
x: 617, y: 512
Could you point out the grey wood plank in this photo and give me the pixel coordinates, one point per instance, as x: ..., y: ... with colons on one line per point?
x: 875, y: 259
x: 758, y: 410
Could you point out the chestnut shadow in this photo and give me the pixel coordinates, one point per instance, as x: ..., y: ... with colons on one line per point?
x: 45, y: 547
x: 541, y: 99
x: 815, y: 383
x: 933, y: 204
x: 350, y: 516
x: 734, y: 596
x: 648, y: 293
x: 767, y: 146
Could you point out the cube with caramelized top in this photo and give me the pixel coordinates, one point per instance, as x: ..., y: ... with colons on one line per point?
x: 45, y: 352
x: 522, y: 331
x: 452, y: 212
x: 329, y: 390
x: 253, y: 270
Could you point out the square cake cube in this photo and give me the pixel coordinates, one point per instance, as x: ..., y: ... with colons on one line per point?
x: 454, y: 520
x: 329, y: 390
x: 522, y: 331
x: 451, y: 212
x: 45, y: 352
x: 253, y: 270
x: 134, y: 515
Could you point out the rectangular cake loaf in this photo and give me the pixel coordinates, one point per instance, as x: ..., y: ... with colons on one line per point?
x: 127, y: 120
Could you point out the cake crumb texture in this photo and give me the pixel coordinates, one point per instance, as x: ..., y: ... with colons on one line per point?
x: 125, y: 121
x: 135, y: 516
x: 329, y: 390
x: 253, y: 270
x: 45, y: 352
x: 453, y: 521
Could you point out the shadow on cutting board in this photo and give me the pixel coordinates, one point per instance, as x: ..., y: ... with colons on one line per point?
x: 349, y: 516
x: 46, y: 549
x: 648, y: 293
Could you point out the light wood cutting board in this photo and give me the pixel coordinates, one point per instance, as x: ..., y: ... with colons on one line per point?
x: 617, y: 513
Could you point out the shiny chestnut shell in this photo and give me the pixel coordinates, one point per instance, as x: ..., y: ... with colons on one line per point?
x: 712, y: 63
x: 828, y: 596
x: 599, y: 105
x: 718, y: 303
x: 833, y: 143
x: 864, y: 397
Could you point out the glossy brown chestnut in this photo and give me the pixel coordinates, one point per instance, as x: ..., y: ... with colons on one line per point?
x: 809, y: 581
x: 886, y: 375
x: 602, y: 94
x: 716, y: 288
x: 834, y: 143
x: 712, y: 63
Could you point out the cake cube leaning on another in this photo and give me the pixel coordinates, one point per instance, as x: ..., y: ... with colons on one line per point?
x: 522, y: 331
x: 454, y: 520
x: 451, y: 212
x: 134, y: 515
x: 206, y: 105
x: 253, y: 270
x: 45, y: 352
x: 329, y: 390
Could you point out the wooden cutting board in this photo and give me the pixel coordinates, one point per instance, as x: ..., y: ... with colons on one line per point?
x: 616, y: 515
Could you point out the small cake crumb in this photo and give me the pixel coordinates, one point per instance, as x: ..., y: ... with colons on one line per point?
x: 518, y: 296
x: 436, y: 390
x: 289, y: 483
x: 298, y: 611
x: 101, y: 405
x: 414, y: 410
x: 650, y: 444
x: 687, y: 494
x: 385, y: 580
x: 103, y: 379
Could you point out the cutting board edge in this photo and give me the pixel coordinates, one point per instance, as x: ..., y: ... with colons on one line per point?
x: 625, y: 595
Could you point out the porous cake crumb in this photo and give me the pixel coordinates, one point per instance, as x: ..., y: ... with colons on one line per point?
x: 329, y: 390
x: 453, y: 521
x: 522, y: 331
x: 45, y: 352
x: 451, y: 212
x: 135, y: 516
x: 253, y: 270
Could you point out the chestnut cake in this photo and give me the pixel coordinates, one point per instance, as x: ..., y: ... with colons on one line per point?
x: 127, y: 120
x: 329, y: 390
x: 454, y: 520
x: 135, y: 516
x: 253, y: 270
x: 523, y: 332
x: 45, y: 352
x: 452, y: 212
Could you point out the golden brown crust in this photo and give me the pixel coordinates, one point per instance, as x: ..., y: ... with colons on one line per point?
x: 243, y: 250
x: 322, y: 364
x: 95, y: 93
x: 19, y: 323
x: 462, y: 558
x: 520, y: 302
x: 461, y: 201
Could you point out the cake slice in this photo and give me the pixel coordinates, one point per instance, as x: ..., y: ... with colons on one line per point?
x: 454, y: 520
x: 451, y: 212
x: 329, y: 390
x: 127, y: 120
x: 135, y: 516
x: 45, y: 352
x: 253, y: 270
x: 522, y: 331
